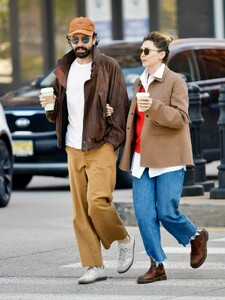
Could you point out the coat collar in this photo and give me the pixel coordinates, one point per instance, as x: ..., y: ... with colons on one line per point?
x: 138, y: 84
x: 65, y: 62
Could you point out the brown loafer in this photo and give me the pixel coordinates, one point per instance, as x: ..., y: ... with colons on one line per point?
x: 153, y: 274
x: 199, y: 249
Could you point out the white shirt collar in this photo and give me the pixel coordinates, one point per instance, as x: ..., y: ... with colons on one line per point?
x: 146, y: 80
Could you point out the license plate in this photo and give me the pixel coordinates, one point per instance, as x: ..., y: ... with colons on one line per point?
x: 23, y: 148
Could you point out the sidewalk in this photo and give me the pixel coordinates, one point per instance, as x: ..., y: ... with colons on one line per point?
x: 200, y: 209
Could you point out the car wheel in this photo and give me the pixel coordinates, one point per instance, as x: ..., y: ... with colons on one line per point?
x: 123, y: 179
x: 21, y: 181
x: 6, y: 170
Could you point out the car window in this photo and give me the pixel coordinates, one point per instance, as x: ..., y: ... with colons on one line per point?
x: 184, y: 63
x: 211, y: 63
x: 47, y: 80
x: 131, y: 67
x: 129, y: 61
x: 131, y: 74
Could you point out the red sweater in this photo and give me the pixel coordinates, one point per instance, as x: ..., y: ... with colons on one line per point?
x: 140, y: 116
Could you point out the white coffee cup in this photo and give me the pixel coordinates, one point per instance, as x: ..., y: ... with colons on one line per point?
x: 48, y: 94
x: 141, y: 97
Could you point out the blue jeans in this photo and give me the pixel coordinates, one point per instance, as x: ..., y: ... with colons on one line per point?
x: 157, y: 200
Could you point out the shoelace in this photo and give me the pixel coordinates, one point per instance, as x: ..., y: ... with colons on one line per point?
x: 90, y: 269
x: 122, y: 253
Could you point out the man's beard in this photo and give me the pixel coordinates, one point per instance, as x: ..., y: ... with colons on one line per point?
x: 84, y: 54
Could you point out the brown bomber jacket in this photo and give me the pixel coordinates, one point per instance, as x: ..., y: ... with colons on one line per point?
x: 106, y: 85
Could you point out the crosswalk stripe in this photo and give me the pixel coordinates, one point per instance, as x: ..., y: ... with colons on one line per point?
x: 111, y: 264
x: 184, y: 250
x: 171, y: 265
x: 98, y: 297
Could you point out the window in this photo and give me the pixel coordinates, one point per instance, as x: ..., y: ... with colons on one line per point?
x: 126, y: 56
x: 212, y: 63
x: 183, y: 63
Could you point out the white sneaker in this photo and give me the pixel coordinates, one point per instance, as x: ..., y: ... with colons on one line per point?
x: 126, y: 256
x: 92, y: 275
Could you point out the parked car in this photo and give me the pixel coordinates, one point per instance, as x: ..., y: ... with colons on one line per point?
x: 6, y: 161
x: 199, y: 60
x: 202, y: 61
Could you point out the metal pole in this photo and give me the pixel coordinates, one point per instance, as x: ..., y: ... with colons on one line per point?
x: 219, y: 193
x: 190, y: 188
x: 196, y: 137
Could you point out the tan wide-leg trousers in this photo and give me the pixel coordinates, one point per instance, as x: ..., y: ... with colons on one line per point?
x: 92, y: 180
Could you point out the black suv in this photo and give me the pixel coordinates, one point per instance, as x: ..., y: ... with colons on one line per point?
x: 200, y: 61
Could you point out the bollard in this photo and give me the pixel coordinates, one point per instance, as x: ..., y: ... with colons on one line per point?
x: 190, y: 188
x: 196, y: 137
x: 219, y: 193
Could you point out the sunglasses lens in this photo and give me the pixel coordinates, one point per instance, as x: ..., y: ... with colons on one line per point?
x: 74, y: 40
x: 139, y: 51
x: 84, y: 39
x: 146, y: 51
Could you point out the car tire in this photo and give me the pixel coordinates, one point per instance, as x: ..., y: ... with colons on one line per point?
x: 6, y: 174
x: 21, y: 181
x: 124, y: 180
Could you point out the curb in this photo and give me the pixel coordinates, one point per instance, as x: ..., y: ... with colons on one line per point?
x: 201, y: 210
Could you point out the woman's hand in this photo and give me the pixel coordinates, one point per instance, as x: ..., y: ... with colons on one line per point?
x: 109, y: 110
x: 144, y: 104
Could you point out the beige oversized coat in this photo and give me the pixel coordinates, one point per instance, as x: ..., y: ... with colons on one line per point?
x: 165, y: 138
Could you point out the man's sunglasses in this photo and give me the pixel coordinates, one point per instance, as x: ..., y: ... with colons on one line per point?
x: 146, y: 51
x: 75, y: 39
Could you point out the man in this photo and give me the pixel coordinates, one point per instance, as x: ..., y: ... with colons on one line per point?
x: 87, y: 82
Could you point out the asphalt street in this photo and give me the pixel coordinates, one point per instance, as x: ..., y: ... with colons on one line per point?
x: 39, y: 258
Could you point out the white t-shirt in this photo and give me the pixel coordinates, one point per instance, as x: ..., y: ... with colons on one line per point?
x: 78, y: 74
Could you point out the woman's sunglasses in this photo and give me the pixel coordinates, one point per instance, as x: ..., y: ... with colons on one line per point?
x: 75, y: 39
x: 146, y: 51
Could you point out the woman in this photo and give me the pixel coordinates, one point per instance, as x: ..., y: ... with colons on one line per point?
x: 157, y: 150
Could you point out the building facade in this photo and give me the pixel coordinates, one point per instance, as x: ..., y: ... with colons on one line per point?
x: 32, y: 33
